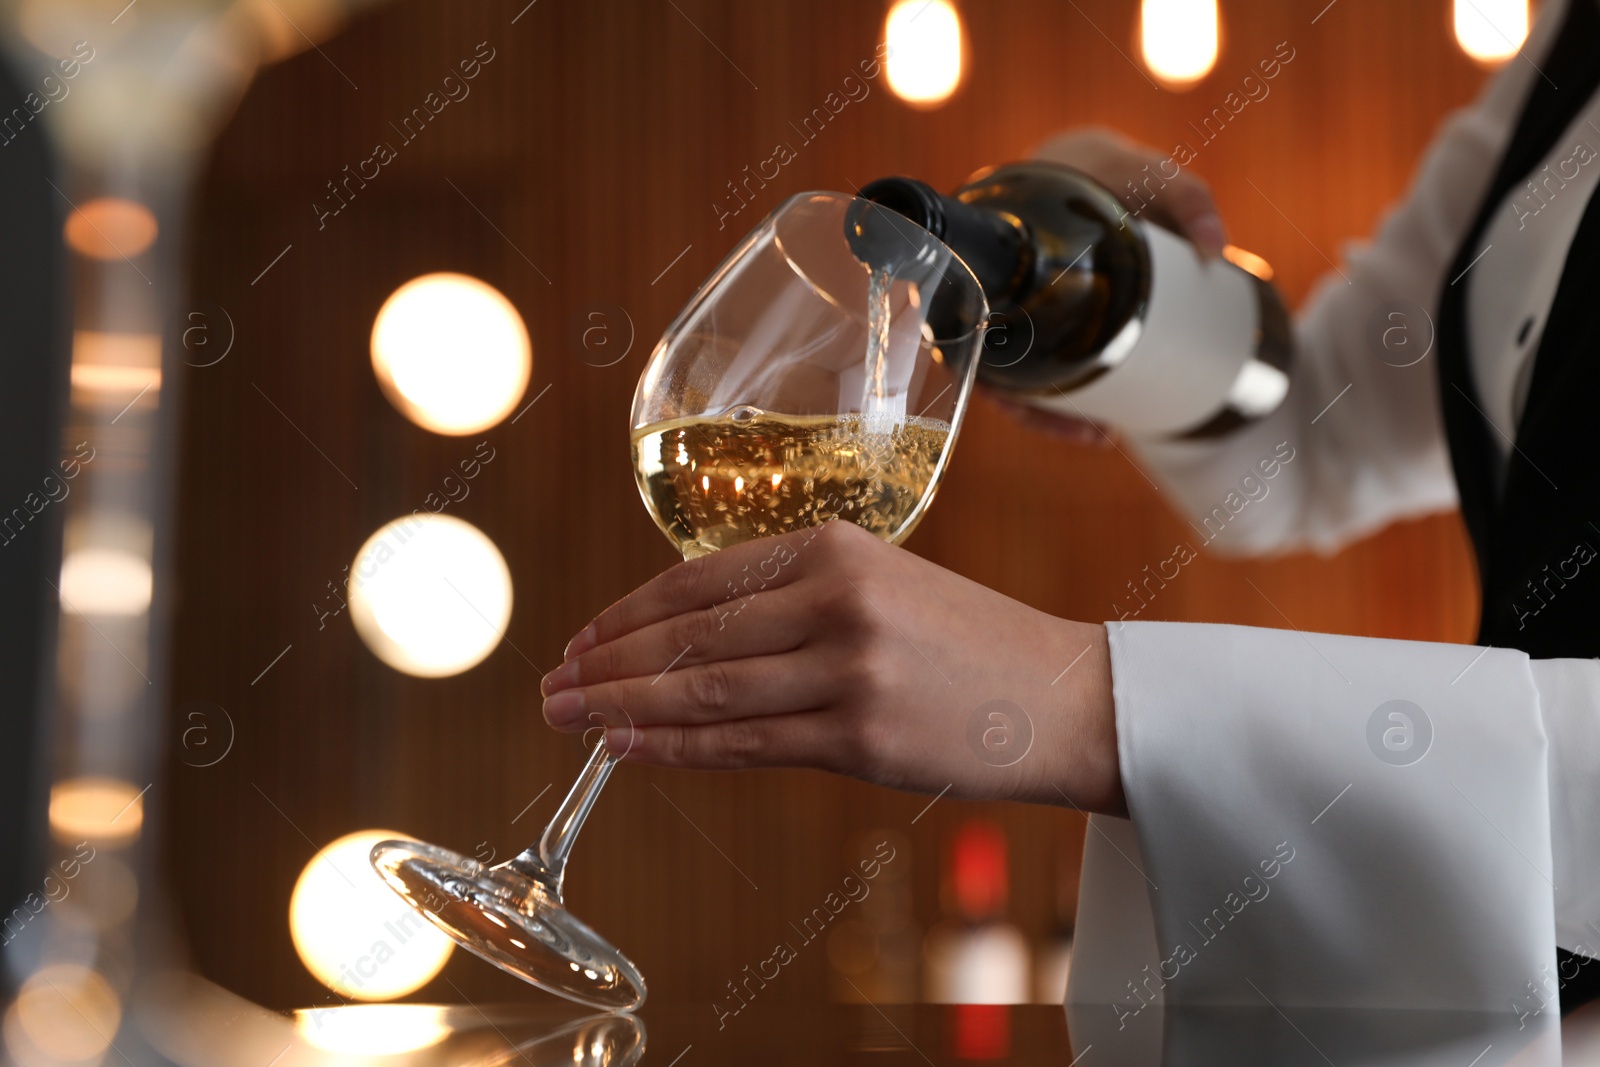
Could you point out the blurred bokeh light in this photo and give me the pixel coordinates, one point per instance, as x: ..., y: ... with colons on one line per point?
x: 355, y: 936
x: 105, y: 811
x: 110, y: 228
x: 451, y: 353
x: 430, y: 595
x: 373, y: 1029
x: 1491, y: 31
x: 925, y: 55
x: 63, y: 1014
x: 1179, y: 39
x: 105, y: 581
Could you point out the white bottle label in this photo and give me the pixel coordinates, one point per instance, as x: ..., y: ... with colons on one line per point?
x: 1197, y: 334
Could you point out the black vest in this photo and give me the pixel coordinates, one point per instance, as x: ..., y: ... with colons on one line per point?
x: 1538, y: 539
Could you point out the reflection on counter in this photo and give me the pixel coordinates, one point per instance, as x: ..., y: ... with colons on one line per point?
x: 194, y: 1024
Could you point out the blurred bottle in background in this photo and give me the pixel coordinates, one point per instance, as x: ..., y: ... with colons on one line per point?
x: 976, y: 955
x: 875, y: 953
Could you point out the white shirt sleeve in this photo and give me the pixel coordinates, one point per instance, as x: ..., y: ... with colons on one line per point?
x: 1362, y: 418
x: 1343, y: 822
x: 1569, y: 700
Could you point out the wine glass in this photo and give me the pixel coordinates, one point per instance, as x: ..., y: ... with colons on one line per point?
x: 820, y: 373
x: 513, y: 914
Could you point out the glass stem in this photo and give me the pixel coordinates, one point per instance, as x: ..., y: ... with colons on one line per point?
x: 546, y: 860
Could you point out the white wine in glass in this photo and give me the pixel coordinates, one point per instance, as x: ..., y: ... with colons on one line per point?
x: 713, y: 482
x: 820, y: 374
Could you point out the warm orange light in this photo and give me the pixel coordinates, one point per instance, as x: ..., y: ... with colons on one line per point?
x: 1249, y: 261
x: 98, y: 580
x: 116, y: 362
x: 924, y: 59
x: 109, y: 227
x: 102, y: 810
x: 1491, y: 31
x: 1179, y: 39
x: 102, y: 379
x: 364, y: 1030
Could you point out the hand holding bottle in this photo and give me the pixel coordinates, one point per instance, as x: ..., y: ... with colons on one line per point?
x: 1184, y: 204
x: 1185, y: 207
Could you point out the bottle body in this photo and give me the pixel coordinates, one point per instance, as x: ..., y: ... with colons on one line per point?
x: 1100, y: 316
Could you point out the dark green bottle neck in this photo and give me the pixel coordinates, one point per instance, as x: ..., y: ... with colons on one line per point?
x: 995, y: 246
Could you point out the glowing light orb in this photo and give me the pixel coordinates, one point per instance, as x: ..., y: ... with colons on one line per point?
x: 1179, y: 39
x: 102, y: 810
x: 451, y: 353
x: 105, y: 581
x: 1491, y: 31
x: 110, y: 228
x: 353, y: 934
x: 924, y: 59
x: 63, y: 1014
x: 430, y: 595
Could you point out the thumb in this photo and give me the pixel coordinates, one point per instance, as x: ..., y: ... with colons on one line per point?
x: 1187, y: 206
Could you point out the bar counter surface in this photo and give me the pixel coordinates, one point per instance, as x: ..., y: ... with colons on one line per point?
x: 208, y: 1026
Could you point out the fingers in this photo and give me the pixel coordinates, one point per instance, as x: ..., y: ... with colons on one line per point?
x: 1153, y: 186
x: 1187, y: 202
x: 1091, y: 149
x: 801, y: 740
x: 1173, y: 198
x: 757, y: 686
x: 699, y: 583
x: 777, y: 620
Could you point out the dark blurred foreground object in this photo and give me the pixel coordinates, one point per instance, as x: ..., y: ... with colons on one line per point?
x: 33, y: 390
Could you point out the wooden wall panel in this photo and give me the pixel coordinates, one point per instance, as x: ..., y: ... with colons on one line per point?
x: 588, y: 155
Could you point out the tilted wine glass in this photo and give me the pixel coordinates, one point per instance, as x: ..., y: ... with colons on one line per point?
x: 820, y: 373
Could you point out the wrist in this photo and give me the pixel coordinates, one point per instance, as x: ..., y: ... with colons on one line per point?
x: 1084, y: 770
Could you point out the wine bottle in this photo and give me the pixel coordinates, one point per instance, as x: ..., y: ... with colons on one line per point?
x: 1095, y: 313
x: 977, y: 955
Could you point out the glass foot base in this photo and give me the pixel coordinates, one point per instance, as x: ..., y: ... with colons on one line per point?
x: 513, y: 921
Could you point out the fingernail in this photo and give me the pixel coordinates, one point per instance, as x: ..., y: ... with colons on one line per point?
x: 564, y: 709
x: 620, y: 740
x: 563, y: 677
x: 583, y: 642
x: 1208, y: 233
